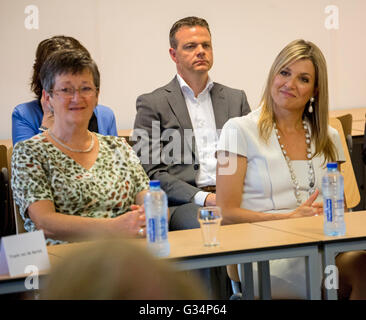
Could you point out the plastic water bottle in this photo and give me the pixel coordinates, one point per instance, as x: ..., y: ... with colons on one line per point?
x: 156, y: 210
x: 333, y: 201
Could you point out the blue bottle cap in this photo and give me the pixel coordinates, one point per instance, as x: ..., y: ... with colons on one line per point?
x: 154, y: 184
x: 332, y: 165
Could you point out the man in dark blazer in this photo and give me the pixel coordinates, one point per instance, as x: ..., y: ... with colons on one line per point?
x: 165, y: 109
x: 176, y: 131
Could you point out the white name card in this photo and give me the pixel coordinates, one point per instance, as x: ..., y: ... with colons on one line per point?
x: 20, y: 251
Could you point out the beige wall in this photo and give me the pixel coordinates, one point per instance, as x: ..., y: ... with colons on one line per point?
x: 129, y: 41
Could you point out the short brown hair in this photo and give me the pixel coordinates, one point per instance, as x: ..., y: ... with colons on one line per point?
x: 185, y: 22
x: 67, y: 61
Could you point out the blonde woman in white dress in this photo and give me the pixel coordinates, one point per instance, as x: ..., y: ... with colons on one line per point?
x: 279, y: 154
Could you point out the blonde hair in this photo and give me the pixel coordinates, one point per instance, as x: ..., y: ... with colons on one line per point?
x: 295, y: 51
x: 118, y: 269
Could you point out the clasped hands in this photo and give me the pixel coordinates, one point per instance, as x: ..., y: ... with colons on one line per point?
x: 132, y: 222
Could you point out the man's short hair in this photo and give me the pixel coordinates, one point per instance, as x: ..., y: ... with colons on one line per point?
x: 185, y: 22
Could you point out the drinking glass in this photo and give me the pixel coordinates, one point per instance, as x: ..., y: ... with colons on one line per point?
x: 210, y: 221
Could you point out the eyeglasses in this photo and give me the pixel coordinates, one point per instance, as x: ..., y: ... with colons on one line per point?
x: 69, y: 92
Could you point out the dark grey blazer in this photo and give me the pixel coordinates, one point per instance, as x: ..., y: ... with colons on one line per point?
x: 167, y: 106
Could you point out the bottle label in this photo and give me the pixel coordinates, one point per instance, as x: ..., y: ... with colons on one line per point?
x: 157, y: 229
x: 329, y: 210
x: 152, y: 230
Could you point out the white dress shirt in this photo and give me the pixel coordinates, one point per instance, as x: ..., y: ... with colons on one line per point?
x: 203, y: 122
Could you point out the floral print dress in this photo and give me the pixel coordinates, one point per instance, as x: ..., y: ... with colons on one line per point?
x: 41, y: 171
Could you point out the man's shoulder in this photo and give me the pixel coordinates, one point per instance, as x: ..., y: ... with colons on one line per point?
x: 162, y: 90
x: 221, y: 86
x: 236, y: 99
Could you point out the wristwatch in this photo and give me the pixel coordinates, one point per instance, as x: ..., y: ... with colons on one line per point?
x: 43, y: 128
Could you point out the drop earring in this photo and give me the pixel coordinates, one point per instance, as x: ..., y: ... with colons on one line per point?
x: 311, y: 109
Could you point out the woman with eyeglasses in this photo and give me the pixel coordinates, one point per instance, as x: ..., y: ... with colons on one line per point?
x: 68, y: 181
x: 33, y: 117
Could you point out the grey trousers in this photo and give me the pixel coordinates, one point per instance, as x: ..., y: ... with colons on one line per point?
x: 183, y: 217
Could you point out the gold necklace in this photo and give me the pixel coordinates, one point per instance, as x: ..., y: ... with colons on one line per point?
x: 71, y: 149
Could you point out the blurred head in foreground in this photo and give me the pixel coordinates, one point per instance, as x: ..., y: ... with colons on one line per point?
x: 118, y: 269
